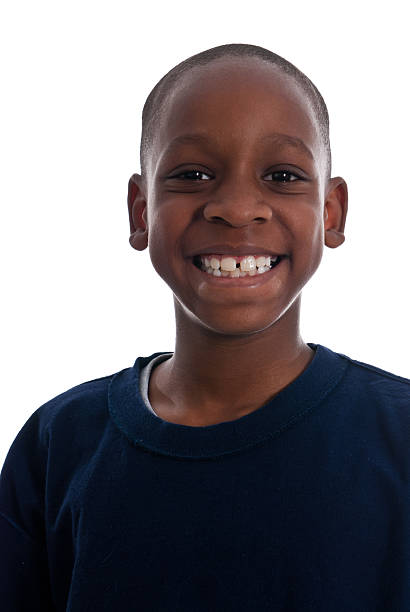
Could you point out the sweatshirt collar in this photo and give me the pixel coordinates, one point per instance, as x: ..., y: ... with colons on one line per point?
x: 292, y: 404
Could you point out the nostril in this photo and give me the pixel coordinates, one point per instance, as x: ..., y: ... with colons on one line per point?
x: 220, y: 220
x: 231, y: 222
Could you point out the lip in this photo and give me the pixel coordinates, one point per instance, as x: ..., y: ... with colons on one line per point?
x: 230, y: 249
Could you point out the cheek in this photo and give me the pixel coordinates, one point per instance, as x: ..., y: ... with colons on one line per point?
x: 309, y: 236
x: 315, y: 241
x: 158, y: 238
x: 165, y: 230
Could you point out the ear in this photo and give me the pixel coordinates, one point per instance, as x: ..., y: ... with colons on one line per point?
x: 335, y: 212
x: 137, y: 211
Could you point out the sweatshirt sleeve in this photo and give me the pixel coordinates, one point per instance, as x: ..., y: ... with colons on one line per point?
x: 24, y: 575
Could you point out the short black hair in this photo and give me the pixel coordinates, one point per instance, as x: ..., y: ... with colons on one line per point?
x: 154, y: 102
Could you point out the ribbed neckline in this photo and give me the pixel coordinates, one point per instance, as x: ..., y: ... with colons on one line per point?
x: 145, y: 429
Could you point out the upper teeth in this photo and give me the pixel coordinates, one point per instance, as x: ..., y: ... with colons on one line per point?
x: 235, y: 266
x: 247, y: 264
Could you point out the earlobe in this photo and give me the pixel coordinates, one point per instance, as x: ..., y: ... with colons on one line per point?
x: 334, y: 238
x: 137, y: 212
x: 335, y: 212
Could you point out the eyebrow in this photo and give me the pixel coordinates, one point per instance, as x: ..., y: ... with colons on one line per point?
x: 281, y: 140
x: 290, y: 141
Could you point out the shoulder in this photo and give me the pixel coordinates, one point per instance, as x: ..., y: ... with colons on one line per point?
x: 62, y: 432
x: 367, y: 414
x: 375, y: 382
x: 77, y: 417
x: 74, y: 417
x: 49, y: 451
x: 374, y: 403
x: 85, y: 398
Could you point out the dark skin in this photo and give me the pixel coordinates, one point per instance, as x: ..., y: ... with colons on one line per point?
x: 237, y: 345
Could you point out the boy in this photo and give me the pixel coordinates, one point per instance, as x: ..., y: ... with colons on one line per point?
x: 248, y: 470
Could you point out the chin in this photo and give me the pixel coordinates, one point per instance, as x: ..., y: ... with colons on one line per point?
x: 238, y: 325
x: 238, y: 320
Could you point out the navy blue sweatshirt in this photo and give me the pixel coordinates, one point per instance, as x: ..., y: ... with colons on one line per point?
x: 301, y: 505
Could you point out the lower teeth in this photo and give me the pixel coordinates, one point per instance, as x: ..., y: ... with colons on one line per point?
x: 238, y: 273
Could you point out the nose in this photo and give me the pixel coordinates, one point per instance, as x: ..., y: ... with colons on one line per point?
x: 237, y: 205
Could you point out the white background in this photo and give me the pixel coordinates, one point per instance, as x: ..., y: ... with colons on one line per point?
x: 77, y: 302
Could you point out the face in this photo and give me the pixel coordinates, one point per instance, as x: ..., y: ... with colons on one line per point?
x: 237, y: 169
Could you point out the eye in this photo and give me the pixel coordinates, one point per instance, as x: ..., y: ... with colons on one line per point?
x: 192, y: 175
x: 283, y: 176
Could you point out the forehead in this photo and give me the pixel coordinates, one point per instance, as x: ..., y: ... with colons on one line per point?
x: 237, y: 101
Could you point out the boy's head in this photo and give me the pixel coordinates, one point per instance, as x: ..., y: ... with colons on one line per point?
x: 157, y: 99
x: 235, y: 160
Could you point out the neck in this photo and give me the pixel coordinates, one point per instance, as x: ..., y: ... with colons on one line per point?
x: 213, y: 377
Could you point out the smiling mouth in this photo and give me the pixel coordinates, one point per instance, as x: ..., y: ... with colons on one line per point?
x: 230, y: 266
